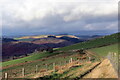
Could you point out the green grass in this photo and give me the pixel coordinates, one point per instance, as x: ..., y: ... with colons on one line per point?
x: 64, y: 74
x: 32, y: 57
x: 103, y: 51
x: 93, y: 45
x: 107, y: 40
x: 89, y: 44
x: 71, y: 73
x: 30, y: 67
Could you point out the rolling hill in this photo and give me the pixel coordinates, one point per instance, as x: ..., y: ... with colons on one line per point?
x: 8, y: 40
x: 45, y: 36
x: 18, y: 48
x: 99, y: 42
x: 103, y: 51
x: 13, y: 49
x: 98, y: 47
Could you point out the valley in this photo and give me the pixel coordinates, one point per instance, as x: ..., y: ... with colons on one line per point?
x: 77, y: 61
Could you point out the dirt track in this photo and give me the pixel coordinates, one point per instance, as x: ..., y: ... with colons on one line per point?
x: 104, y: 70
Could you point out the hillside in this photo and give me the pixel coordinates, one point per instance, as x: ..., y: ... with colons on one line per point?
x: 8, y: 40
x: 91, y: 44
x: 51, y: 40
x: 24, y: 48
x: 104, y: 70
x: 60, y: 59
x: 103, y: 51
x: 98, y: 42
x: 71, y: 38
x: 110, y: 52
x: 97, y: 49
x: 45, y: 36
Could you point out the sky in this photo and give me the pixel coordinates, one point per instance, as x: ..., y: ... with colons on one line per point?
x: 29, y: 17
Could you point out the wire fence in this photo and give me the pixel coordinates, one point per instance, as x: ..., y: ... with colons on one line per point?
x: 113, y: 57
x: 45, y: 65
x: 39, y: 67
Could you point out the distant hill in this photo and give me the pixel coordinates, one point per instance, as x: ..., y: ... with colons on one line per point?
x: 90, y: 45
x: 32, y: 37
x: 29, y: 44
x: 72, y: 39
x: 97, y: 42
x: 16, y: 48
x: 45, y: 36
x: 50, y: 40
x: 88, y: 37
x: 8, y: 40
x: 25, y: 47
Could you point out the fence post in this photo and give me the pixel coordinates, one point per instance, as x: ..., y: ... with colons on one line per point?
x: 6, y: 75
x: 89, y: 58
x: 114, y: 54
x: 71, y: 60
x: 54, y: 66
x: 23, y: 72
x: 36, y: 68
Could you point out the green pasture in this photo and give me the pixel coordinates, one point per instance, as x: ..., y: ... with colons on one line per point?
x: 103, y: 51
x: 34, y: 56
x: 103, y: 41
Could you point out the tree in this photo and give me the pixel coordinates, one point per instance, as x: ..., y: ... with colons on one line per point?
x: 81, y: 51
x: 51, y: 36
x: 50, y: 50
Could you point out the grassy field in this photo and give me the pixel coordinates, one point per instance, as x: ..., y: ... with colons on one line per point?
x: 110, y: 39
x: 89, y: 44
x: 103, y: 51
x: 95, y: 44
x: 60, y: 59
x: 75, y: 72
x: 108, y: 52
x: 34, y: 56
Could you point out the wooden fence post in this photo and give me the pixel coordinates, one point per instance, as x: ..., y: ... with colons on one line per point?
x: 36, y: 68
x: 89, y: 58
x: 115, y: 54
x: 23, y: 72
x: 71, y: 60
x: 6, y: 75
x: 54, y: 66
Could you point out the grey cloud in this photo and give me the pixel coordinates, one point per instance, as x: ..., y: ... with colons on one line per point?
x: 63, y: 17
